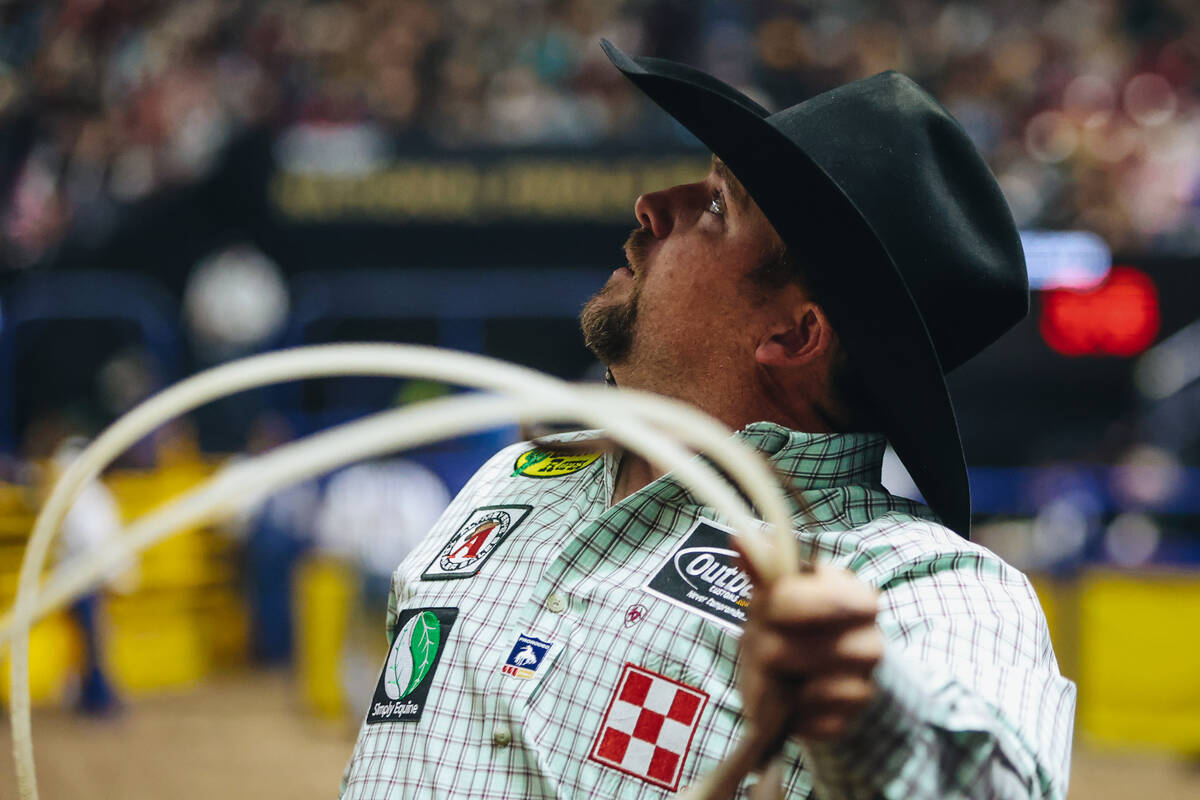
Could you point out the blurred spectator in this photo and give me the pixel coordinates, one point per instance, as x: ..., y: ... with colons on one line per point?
x: 374, y: 513
x: 1086, y: 110
x: 92, y: 522
x: 278, y: 532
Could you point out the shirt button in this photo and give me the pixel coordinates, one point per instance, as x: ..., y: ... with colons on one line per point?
x: 556, y: 603
x: 501, y: 737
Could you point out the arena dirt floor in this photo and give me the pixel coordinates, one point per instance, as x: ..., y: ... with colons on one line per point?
x: 244, y: 737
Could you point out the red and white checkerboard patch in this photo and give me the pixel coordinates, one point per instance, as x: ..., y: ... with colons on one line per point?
x: 649, y: 726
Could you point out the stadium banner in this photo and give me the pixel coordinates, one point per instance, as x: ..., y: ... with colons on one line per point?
x: 481, y: 188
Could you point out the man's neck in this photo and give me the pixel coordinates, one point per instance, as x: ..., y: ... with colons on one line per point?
x: 633, y: 474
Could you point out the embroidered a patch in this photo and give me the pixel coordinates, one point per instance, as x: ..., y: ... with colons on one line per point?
x: 529, y: 656
x: 543, y: 463
x: 411, y: 664
x: 701, y: 575
x: 475, y: 540
x: 649, y: 726
x: 635, y: 614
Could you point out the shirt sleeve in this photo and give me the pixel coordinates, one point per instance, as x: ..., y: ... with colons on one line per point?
x: 970, y: 700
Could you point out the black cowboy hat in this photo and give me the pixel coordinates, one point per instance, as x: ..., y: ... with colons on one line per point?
x: 900, y: 226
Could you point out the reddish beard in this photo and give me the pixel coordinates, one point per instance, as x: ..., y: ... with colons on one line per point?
x: 608, y: 325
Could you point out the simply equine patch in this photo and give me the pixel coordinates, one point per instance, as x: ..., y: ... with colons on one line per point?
x: 411, y: 666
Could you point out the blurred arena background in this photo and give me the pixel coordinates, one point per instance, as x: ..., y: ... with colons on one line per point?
x: 183, y: 182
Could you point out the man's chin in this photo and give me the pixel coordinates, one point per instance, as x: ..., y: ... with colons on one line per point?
x: 608, y: 325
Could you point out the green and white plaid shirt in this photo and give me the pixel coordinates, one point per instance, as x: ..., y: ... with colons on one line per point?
x: 971, y: 701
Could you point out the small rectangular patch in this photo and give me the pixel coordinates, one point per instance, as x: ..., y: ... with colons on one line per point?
x: 648, y: 726
x: 700, y: 576
x: 529, y: 656
x: 403, y: 687
x: 474, y: 542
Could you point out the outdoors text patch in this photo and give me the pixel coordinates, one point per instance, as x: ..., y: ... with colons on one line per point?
x: 701, y: 576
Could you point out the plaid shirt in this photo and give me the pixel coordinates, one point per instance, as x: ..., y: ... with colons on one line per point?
x: 970, y: 700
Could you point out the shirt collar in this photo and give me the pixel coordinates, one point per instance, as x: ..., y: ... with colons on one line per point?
x: 804, y: 461
x: 818, y: 460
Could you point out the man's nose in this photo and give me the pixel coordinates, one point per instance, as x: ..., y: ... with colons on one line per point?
x: 660, y: 211
x: 653, y: 211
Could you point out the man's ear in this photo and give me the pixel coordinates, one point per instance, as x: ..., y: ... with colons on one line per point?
x: 801, y: 340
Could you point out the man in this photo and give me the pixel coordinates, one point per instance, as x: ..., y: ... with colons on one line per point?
x: 809, y: 292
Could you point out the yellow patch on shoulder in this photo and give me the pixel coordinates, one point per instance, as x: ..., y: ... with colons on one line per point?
x: 542, y: 463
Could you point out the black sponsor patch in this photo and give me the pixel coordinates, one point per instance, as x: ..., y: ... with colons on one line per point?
x: 701, y: 576
x: 412, y: 661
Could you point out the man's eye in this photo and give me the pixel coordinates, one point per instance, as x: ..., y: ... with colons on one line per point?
x: 717, y: 206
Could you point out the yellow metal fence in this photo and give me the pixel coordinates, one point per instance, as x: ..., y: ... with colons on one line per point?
x: 184, y: 619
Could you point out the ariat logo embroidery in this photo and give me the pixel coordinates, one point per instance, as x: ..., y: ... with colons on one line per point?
x: 635, y: 614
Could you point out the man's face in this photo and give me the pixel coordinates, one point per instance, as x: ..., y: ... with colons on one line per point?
x: 683, y: 318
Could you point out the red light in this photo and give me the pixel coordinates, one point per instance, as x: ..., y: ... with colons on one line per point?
x: 1117, y: 318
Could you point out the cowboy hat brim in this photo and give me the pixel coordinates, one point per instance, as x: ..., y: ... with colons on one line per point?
x: 863, y: 292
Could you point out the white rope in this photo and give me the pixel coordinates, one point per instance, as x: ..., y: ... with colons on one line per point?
x: 371, y: 437
x: 548, y: 396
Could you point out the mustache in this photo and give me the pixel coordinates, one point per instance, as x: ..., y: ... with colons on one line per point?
x: 637, y: 246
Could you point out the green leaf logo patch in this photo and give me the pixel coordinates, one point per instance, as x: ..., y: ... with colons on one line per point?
x: 423, y: 645
x: 407, y: 666
x: 411, y: 665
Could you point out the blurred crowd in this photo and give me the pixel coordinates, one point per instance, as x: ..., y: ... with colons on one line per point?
x: 1087, y: 109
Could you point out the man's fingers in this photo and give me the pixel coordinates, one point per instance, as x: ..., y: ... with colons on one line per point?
x: 812, y: 645
x: 827, y: 706
x: 821, y: 706
x: 839, y: 692
x: 825, y: 598
x: 825, y: 727
x: 856, y: 650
